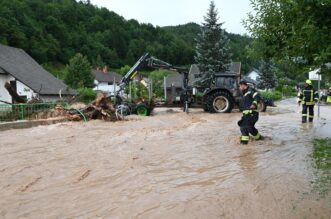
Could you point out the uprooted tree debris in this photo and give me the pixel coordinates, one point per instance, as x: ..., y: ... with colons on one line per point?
x: 102, y: 108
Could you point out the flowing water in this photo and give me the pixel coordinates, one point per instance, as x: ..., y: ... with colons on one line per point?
x: 170, y: 165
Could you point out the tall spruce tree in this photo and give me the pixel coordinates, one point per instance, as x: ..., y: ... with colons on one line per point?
x: 267, y: 79
x: 212, y: 52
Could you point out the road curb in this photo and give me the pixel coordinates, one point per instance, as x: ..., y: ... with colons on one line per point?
x: 29, y: 123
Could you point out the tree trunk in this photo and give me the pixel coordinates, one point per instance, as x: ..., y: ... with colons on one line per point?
x: 14, y: 94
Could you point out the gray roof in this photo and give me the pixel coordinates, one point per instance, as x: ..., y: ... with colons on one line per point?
x: 106, y: 76
x: 26, y: 70
x: 2, y: 71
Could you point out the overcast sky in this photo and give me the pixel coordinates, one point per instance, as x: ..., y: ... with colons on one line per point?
x: 174, y: 12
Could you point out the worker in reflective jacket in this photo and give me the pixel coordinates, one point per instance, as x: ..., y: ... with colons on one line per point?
x: 328, y: 98
x: 249, y: 106
x: 308, y: 97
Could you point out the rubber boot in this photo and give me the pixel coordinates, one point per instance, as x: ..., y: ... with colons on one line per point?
x: 244, y: 139
x: 304, y: 119
x: 258, y: 137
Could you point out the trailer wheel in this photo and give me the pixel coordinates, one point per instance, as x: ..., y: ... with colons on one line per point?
x: 142, y: 110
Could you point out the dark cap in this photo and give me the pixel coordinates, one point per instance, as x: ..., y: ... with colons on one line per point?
x: 243, y: 83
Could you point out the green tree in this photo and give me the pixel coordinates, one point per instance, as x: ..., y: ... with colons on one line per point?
x: 267, y: 79
x: 54, y: 31
x: 212, y: 53
x: 124, y: 69
x: 79, y: 72
x: 298, y: 31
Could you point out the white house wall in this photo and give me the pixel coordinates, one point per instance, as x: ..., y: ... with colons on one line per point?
x: 49, y: 98
x: 4, y: 95
x: 253, y: 75
x: 104, y: 87
x: 22, y: 89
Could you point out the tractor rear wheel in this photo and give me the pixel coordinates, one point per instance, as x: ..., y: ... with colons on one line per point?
x: 220, y: 102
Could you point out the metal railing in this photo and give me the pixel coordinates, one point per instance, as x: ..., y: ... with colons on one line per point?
x: 13, y: 112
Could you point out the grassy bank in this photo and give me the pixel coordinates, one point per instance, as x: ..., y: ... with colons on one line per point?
x: 321, y: 156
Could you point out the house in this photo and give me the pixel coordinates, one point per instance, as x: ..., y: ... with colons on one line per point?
x: 28, y: 78
x: 252, y: 76
x: 104, y: 81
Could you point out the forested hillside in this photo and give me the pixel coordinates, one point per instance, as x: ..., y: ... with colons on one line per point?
x: 55, y: 30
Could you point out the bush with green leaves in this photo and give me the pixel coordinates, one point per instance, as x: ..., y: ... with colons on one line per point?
x: 124, y: 69
x: 273, y: 95
x: 86, y: 95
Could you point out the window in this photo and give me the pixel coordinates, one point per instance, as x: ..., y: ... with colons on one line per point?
x: 226, y: 82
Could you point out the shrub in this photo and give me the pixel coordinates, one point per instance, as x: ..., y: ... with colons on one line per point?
x: 273, y: 95
x: 288, y: 91
x: 86, y: 95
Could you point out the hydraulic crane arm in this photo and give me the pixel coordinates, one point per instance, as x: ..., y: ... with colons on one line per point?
x: 134, y: 70
x: 149, y: 61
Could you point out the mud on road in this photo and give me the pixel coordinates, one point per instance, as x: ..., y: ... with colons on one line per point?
x: 171, y: 165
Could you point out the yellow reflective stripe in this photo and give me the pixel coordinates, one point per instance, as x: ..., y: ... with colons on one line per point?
x: 244, y: 138
x: 254, y: 95
x: 310, y: 103
x: 247, y: 111
x: 247, y: 93
x: 258, y: 136
x: 311, y: 116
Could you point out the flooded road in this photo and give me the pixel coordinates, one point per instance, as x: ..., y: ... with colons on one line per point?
x: 171, y: 165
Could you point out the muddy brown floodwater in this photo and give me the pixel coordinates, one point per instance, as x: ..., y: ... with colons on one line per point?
x: 170, y: 165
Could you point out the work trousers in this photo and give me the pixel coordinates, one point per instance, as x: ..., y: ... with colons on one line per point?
x: 247, y: 127
x: 307, y: 112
